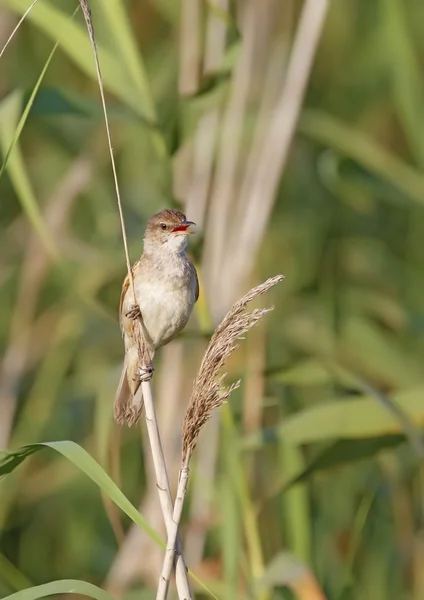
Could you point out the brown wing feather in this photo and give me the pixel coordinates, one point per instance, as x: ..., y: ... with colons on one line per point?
x: 127, y: 407
x: 124, y: 290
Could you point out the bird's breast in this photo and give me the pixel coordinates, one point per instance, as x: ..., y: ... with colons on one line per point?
x: 166, y: 303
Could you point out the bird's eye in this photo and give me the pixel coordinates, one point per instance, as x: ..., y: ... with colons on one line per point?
x: 163, y: 226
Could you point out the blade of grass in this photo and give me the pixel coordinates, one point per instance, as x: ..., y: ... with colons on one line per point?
x: 49, y: 378
x: 81, y: 459
x: 27, y: 109
x: 235, y: 559
x: 295, y: 503
x: 407, y: 85
x: 125, y: 46
x: 65, y: 586
x: 335, y: 455
x: 15, y: 29
x: 86, y: 463
x: 9, y: 118
x: 411, y: 431
x: 23, y: 322
x: 74, y: 42
x: 231, y: 539
x: 359, y: 418
x: 10, y: 575
x: 128, y: 56
x: 347, y: 140
x: 250, y: 523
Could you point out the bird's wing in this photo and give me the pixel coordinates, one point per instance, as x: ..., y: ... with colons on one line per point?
x: 124, y: 290
x: 193, y: 268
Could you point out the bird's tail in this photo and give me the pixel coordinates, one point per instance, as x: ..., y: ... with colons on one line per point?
x: 128, y: 406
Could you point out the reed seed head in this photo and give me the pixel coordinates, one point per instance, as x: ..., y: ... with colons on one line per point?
x: 208, y: 390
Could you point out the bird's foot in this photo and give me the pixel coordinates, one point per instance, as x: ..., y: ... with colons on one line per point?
x: 134, y: 313
x: 146, y: 373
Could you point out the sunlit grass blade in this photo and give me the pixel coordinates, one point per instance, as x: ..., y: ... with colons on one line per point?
x: 15, y: 29
x: 9, y: 461
x: 9, y: 118
x: 86, y: 463
x: 65, y: 586
x: 26, y: 110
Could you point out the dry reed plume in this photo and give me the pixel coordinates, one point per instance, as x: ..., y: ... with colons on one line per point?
x: 208, y: 392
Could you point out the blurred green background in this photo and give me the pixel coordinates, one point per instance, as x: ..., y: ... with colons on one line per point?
x: 309, y: 483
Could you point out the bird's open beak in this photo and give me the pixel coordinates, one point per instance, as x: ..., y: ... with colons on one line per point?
x: 184, y: 228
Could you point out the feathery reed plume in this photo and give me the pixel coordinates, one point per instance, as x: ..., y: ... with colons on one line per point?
x: 208, y: 392
x: 207, y: 395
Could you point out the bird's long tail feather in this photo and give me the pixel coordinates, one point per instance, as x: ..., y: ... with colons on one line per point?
x: 128, y: 405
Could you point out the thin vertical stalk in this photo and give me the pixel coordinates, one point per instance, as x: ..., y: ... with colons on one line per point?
x: 169, y: 406
x: 162, y: 481
x: 173, y: 532
x: 183, y: 586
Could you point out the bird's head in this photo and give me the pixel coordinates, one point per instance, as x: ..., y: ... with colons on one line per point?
x: 169, y: 230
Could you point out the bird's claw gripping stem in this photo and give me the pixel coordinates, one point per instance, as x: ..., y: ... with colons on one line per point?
x: 134, y: 313
x: 145, y: 373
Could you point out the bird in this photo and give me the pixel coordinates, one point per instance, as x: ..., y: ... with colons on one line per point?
x: 166, y: 288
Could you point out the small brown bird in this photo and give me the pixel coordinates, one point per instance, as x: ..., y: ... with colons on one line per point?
x: 166, y: 288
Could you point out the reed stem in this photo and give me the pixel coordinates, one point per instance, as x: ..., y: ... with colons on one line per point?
x: 162, y: 482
